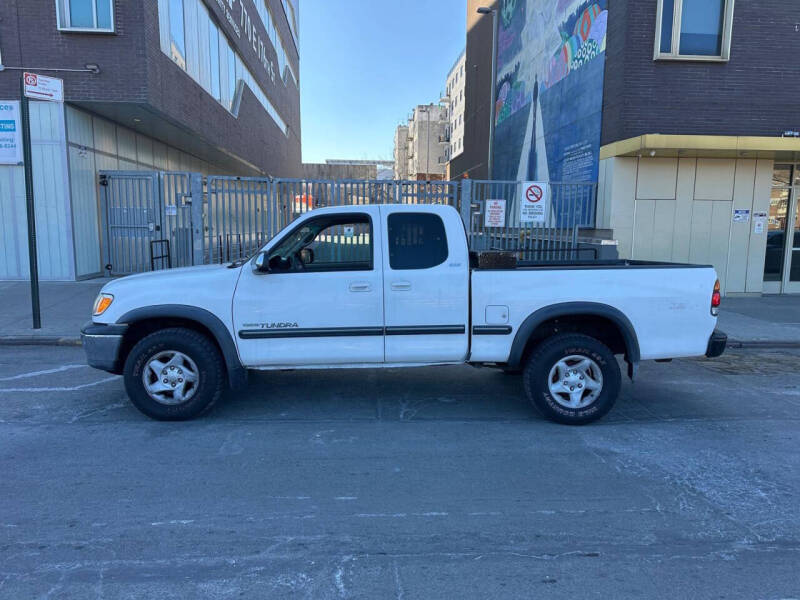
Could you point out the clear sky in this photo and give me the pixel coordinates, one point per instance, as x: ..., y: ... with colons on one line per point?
x: 364, y: 64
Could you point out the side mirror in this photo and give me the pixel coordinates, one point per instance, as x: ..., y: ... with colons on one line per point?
x: 261, y: 263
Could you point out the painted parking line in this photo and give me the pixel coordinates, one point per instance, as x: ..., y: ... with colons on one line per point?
x: 44, y: 372
x: 59, y: 389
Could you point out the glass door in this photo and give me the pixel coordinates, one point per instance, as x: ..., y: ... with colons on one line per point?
x: 782, y: 260
x: 792, y: 277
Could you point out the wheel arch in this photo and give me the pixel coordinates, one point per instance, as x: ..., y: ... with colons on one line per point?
x: 577, y: 317
x: 145, y: 320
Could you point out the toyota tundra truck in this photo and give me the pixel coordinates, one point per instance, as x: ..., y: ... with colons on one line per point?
x: 397, y: 286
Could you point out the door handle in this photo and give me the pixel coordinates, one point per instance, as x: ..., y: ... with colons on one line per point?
x: 401, y: 286
x: 360, y: 286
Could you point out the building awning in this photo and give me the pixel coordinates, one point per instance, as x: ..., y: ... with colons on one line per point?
x: 705, y: 146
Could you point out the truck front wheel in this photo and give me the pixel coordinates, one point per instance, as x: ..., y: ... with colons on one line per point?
x: 174, y: 374
x: 572, y: 379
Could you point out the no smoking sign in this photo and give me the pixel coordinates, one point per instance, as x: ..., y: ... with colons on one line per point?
x: 534, y: 201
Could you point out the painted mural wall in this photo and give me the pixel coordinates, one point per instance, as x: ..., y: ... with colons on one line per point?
x: 550, y: 65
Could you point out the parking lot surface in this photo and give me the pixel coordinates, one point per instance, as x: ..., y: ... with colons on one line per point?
x: 420, y: 483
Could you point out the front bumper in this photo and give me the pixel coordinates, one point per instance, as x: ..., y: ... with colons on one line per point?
x: 716, y: 344
x: 102, y: 344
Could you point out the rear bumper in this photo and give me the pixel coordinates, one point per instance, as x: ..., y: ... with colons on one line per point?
x: 102, y: 344
x: 716, y: 344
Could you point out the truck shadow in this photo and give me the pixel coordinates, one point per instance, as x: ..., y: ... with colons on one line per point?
x: 446, y: 392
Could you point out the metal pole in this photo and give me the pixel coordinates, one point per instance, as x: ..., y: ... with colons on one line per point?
x: 493, y: 101
x: 26, y: 154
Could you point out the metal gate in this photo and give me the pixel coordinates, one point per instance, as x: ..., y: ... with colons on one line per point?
x: 158, y: 220
x: 148, y: 220
x: 133, y: 218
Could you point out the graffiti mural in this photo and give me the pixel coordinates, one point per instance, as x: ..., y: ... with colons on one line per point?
x: 550, y: 64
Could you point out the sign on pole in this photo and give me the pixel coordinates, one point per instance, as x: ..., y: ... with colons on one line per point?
x: 495, y: 213
x: 40, y: 87
x: 10, y: 134
x: 534, y: 202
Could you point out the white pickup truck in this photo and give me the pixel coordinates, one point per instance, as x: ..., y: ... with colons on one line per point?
x: 396, y: 286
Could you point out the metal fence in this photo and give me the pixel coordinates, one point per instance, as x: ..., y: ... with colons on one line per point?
x: 571, y: 207
x: 170, y: 219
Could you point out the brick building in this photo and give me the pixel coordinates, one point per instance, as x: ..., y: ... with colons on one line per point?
x: 698, y: 159
x: 208, y: 86
x: 680, y: 110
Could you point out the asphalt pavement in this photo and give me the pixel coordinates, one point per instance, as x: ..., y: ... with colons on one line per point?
x: 420, y: 483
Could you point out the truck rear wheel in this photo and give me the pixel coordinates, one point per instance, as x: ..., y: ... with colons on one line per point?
x: 572, y: 379
x: 174, y: 374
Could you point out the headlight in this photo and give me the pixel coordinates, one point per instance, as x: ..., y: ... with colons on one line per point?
x: 101, y: 304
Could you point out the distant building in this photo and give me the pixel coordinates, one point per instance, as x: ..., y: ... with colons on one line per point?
x: 454, y: 98
x: 349, y: 169
x: 426, y: 144
x: 401, y: 152
x: 473, y: 149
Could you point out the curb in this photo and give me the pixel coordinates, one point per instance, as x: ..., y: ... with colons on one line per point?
x: 39, y: 340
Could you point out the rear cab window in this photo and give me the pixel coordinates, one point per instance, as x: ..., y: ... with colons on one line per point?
x: 416, y: 241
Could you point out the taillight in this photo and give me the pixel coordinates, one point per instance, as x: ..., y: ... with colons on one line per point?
x: 716, y: 299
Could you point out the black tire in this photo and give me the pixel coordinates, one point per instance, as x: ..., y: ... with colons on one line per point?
x: 200, y: 349
x: 545, y: 358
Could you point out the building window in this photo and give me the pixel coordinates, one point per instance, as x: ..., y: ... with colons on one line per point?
x: 191, y: 38
x: 177, y: 39
x: 85, y: 15
x: 694, y: 30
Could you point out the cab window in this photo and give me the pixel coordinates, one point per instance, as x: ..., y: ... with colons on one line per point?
x: 416, y: 241
x: 328, y: 243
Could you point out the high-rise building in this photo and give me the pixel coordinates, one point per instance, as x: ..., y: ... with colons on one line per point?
x: 181, y: 85
x: 471, y: 159
x: 454, y: 98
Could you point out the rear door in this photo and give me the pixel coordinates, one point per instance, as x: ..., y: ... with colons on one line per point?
x: 426, y: 286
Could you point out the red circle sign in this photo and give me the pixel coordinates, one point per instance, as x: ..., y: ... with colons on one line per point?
x: 30, y: 79
x: 534, y: 193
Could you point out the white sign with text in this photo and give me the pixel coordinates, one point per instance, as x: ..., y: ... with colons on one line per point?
x: 534, y: 201
x: 40, y: 87
x: 495, y: 214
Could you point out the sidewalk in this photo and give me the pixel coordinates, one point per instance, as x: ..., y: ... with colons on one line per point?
x: 65, y: 307
x: 770, y: 321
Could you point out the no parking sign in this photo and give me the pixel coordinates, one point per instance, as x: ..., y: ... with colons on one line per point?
x: 534, y: 200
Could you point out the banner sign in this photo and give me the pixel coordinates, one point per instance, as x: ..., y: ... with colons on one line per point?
x: 534, y: 202
x: 10, y: 134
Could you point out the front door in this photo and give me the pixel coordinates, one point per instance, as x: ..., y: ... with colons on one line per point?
x: 782, y: 260
x: 321, y: 302
x: 426, y: 288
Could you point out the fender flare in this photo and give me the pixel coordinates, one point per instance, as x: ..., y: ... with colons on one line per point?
x: 237, y: 373
x: 564, y: 309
